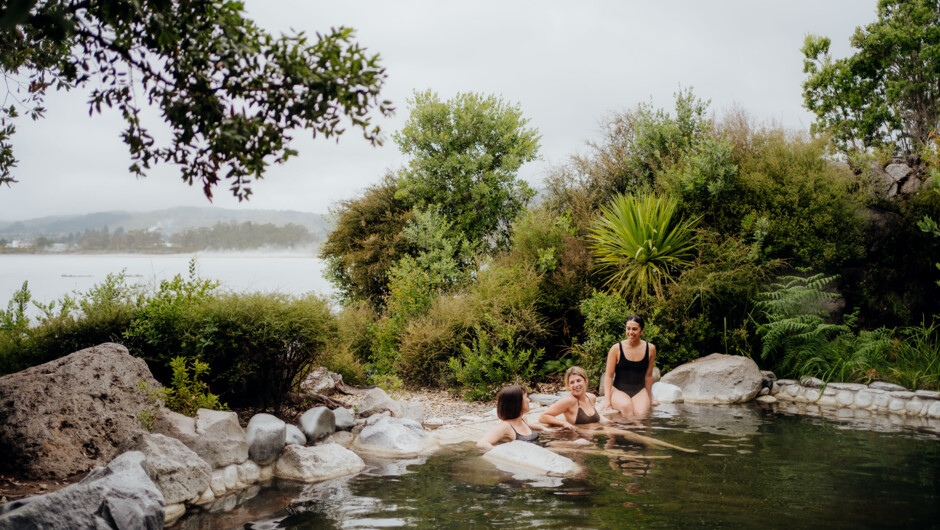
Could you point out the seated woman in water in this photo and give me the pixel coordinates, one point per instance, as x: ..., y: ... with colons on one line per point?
x: 628, y: 383
x: 512, y: 403
x: 578, y: 407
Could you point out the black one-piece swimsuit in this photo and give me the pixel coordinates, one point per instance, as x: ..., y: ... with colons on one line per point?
x: 630, y: 376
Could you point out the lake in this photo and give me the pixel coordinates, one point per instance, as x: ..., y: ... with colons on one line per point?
x: 51, y: 276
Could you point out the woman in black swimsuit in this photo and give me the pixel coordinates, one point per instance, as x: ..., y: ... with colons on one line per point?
x: 512, y: 403
x: 628, y: 383
x: 577, y: 408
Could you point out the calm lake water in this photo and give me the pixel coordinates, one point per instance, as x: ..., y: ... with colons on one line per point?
x: 51, y: 276
x: 755, y: 468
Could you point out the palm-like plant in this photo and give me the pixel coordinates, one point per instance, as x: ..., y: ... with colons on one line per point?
x: 640, y: 242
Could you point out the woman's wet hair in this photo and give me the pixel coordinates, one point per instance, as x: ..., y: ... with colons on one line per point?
x: 509, y: 402
x: 576, y: 370
x: 636, y: 318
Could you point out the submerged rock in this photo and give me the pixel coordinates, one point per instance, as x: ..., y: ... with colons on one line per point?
x: 717, y: 378
x: 384, y: 436
x: 72, y: 414
x: 530, y: 458
x: 316, y: 463
x: 119, y: 496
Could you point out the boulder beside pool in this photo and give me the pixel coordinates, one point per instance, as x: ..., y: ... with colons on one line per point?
x: 316, y: 463
x: 530, y: 458
x: 388, y: 437
x: 717, y: 378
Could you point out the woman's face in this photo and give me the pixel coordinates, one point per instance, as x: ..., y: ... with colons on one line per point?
x: 525, y: 403
x: 576, y: 384
x: 633, y: 330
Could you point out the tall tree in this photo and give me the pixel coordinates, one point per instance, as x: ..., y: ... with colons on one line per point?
x: 888, y: 92
x: 231, y: 93
x: 465, y: 155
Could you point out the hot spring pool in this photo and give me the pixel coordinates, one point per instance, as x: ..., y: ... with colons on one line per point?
x: 754, y: 468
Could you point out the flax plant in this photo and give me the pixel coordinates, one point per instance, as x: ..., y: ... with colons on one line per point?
x: 640, y: 243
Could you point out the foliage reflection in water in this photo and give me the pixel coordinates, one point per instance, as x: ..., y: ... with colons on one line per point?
x: 753, y: 468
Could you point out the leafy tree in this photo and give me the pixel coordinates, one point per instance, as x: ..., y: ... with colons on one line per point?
x: 230, y: 93
x: 640, y: 243
x: 367, y: 240
x: 465, y: 153
x: 888, y: 93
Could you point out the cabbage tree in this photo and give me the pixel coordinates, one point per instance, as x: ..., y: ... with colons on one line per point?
x: 640, y: 242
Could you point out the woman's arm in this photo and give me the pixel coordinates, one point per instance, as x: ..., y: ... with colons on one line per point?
x: 609, y: 375
x: 550, y: 416
x: 496, y: 434
x: 649, y: 374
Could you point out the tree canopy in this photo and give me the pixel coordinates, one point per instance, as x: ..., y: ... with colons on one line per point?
x: 231, y: 93
x: 886, y: 94
x: 465, y: 153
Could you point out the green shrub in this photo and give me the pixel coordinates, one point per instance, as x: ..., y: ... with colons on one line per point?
x: 187, y: 393
x: 492, y: 362
x: 259, y: 345
x: 428, y: 341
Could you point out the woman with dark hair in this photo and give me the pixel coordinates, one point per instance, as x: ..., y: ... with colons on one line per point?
x: 628, y: 382
x: 512, y: 403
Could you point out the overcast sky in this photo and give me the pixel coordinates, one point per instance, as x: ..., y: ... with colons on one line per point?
x: 567, y: 64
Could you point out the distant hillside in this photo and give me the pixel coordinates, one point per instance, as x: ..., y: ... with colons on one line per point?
x: 169, y: 221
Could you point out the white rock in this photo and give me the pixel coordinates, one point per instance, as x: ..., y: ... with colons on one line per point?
x: 316, y: 463
x: 530, y: 458
x: 393, y: 438
x: 914, y: 407
x: 172, y: 513
x: 207, y: 497
x: 220, y: 439
x: 666, y: 393
x: 933, y: 411
x: 230, y: 476
x: 177, y: 471
x: 248, y: 473
x: 295, y: 436
x: 897, y: 405
x: 265, y: 473
x: 217, y: 482
x: 766, y: 399
x: 845, y: 398
x: 863, y: 399
x: 266, y: 436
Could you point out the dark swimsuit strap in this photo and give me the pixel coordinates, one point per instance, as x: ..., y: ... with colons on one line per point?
x: 628, y: 360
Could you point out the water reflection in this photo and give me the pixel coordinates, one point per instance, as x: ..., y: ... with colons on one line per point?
x: 792, y: 470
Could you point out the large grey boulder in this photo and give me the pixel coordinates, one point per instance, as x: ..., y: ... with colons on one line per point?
x: 266, y: 436
x: 71, y: 414
x: 531, y: 458
x: 317, y: 423
x: 119, y: 496
x: 717, y: 378
x: 220, y: 439
x: 384, y: 436
x: 316, y: 463
x: 177, y: 470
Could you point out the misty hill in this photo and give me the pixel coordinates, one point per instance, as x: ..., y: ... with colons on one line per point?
x: 169, y: 221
